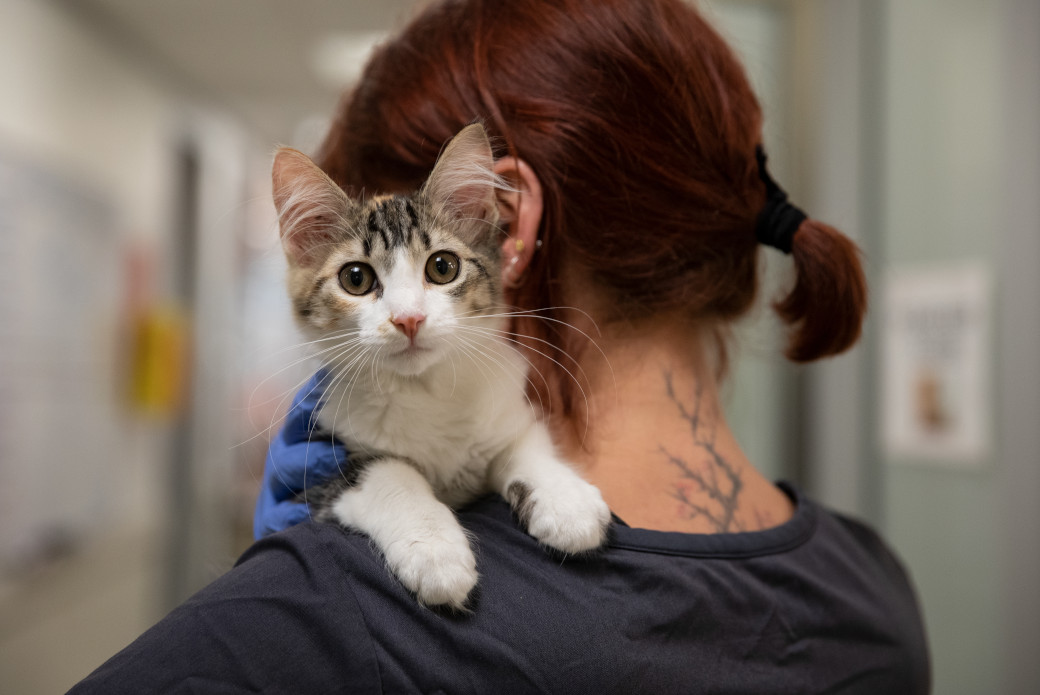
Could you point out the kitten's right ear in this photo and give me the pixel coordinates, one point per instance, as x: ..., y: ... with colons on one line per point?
x: 310, y: 207
x: 463, y: 181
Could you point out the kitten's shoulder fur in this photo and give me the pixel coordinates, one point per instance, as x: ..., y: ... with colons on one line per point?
x: 426, y: 390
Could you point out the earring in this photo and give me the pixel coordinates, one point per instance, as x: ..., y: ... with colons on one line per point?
x: 513, y: 278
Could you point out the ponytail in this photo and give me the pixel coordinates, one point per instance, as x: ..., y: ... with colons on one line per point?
x: 825, y: 308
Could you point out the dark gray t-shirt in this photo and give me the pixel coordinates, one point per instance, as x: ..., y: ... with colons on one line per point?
x: 817, y: 605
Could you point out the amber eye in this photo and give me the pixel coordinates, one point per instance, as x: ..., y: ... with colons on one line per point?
x: 357, y: 278
x: 442, y: 267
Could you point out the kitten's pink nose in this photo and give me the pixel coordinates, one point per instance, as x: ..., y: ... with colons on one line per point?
x: 408, y: 324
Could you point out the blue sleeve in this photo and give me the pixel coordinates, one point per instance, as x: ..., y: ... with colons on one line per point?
x: 299, y: 456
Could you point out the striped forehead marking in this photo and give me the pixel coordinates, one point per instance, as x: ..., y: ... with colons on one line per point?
x: 395, y: 222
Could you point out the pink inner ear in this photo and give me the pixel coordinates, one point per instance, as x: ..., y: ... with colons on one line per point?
x: 474, y: 202
x: 310, y: 207
x: 463, y: 179
x: 307, y: 243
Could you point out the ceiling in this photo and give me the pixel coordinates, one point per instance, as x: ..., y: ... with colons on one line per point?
x: 255, y: 57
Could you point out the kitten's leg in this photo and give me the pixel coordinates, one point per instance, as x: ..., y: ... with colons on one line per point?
x: 558, y: 508
x: 422, y: 541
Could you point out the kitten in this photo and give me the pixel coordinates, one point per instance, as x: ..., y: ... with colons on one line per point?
x: 402, y: 293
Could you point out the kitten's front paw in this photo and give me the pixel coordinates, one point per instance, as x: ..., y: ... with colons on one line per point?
x: 567, y: 514
x: 439, y: 569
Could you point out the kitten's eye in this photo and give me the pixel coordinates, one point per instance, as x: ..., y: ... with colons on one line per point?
x: 442, y: 267
x: 357, y: 278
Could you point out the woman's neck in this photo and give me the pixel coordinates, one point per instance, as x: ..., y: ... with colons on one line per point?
x: 659, y: 448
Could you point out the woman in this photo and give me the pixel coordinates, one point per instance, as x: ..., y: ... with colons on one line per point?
x: 632, y: 138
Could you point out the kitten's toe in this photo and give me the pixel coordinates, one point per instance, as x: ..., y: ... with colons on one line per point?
x: 569, y: 515
x: 440, y: 572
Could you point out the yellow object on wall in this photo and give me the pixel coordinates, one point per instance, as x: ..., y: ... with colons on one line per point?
x: 160, y: 369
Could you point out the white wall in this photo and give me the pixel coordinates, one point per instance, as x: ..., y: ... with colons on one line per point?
x: 1018, y: 320
x: 834, y: 118
x: 926, y: 132
x: 76, y: 111
x: 77, y: 108
x: 942, y: 171
x: 944, y: 137
x: 73, y: 102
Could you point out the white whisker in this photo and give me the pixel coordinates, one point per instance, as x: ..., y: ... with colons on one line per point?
x: 505, y: 370
x: 534, y: 313
x: 289, y: 366
x: 557, y: 362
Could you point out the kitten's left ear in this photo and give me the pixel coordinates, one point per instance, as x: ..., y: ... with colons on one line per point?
x: 463, y: 180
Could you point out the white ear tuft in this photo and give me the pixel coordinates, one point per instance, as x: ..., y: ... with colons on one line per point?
x: 463, y: 181
x: 310, y: 207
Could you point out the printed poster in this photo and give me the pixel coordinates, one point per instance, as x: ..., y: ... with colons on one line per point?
x: 936, y: 361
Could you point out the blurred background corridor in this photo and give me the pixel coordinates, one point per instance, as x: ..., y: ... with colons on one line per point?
x: 147, y: 351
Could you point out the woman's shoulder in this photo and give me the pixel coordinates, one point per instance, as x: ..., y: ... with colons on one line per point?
x: 314, y: 609
x: 818, y: 574
x: 284, y: 619
x: 855, y: 545
x: 541, y: 622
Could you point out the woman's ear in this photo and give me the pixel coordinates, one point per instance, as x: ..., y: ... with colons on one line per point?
x: 520, y: 214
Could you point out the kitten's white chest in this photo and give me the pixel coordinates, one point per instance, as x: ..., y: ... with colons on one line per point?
x: 450, y: 423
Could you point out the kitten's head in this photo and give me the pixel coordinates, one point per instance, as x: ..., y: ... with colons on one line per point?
x: 394, y: 279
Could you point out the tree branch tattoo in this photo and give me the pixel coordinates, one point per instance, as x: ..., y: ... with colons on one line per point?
x: 716, y: 476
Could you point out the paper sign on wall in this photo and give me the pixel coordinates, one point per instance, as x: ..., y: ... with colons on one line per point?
x: 936, y: 363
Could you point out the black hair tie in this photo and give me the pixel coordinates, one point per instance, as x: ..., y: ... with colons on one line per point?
x: 779, y: 219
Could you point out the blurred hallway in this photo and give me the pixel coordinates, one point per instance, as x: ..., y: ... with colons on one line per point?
x: 146, y: 347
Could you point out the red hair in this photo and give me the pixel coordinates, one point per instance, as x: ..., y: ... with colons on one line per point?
x: 641, y: 126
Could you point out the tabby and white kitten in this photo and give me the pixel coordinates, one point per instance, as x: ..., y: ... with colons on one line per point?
x: 402, y: 293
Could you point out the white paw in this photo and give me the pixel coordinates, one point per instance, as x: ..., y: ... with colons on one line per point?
x: 439, y: 567
x: 567, y: 514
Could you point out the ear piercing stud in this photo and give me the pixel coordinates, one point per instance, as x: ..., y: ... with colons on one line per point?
x: 520, y: 246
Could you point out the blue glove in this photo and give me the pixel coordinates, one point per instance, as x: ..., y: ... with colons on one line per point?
x: 300, y: 456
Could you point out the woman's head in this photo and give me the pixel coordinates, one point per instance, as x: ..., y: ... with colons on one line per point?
x: 641, y: 127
